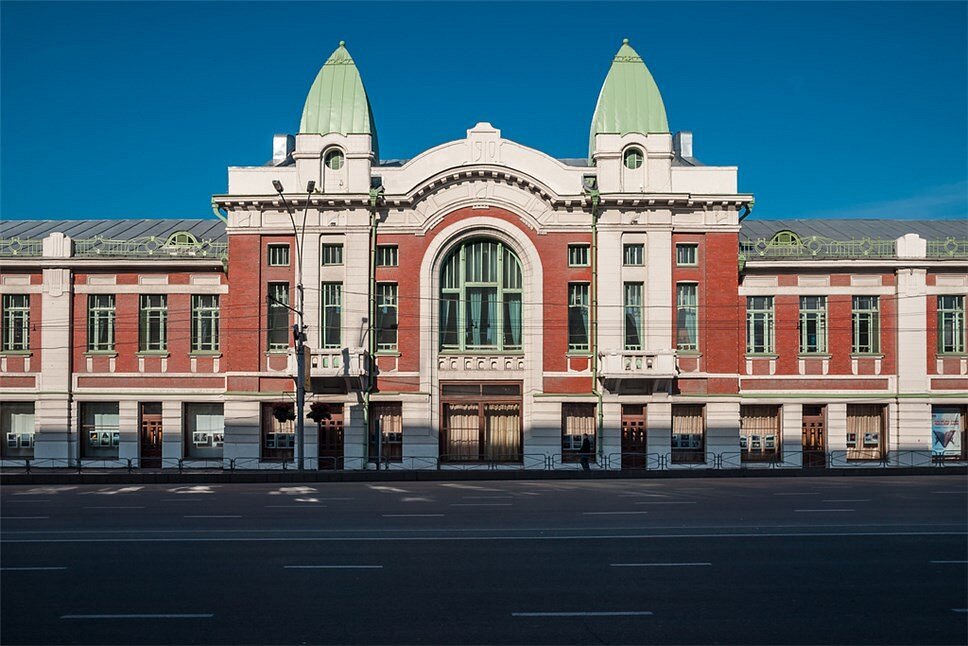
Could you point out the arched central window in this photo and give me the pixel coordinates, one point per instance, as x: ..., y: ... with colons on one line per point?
x: 480, y: 298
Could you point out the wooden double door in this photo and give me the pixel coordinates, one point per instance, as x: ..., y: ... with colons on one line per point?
x: 814, y: 438
x: 634, y: 441
x: 330, y: 439
x: 151, y: 435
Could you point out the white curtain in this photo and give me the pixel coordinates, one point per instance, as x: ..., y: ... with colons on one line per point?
x: 759, y: 428
x: 503, y: 430
x: 864, y: 423
x: 462, y: 431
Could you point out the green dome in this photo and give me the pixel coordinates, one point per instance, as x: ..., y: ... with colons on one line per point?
x: 337, y: 101
x: 629, y: 100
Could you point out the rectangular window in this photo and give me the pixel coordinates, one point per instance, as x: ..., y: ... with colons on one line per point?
x: 278, y: 431
x: 481, y: 431
x: 865, y: 432
x: 633, y: 255
x: 17, y: 428
x: 948, y: 432
x: 634, y: 316
x: 204, y: 430
x: 688, y: 434
x: 100, y: 430
x: 205, y: 319
x: 866, y: 325
x: 759, y: 325
x: 386, y: 317
x: 813, y: 324
x: 16, y: 322
x: 153, y: 323
x: 578, y: 304
x: 759, y: 433
x: 331, y: 254
x: 387, y: 423
x: 279, y: 255
x: 278, y: 317
x: 387, y: 256
x: 951, y: 324
x: 100, y: 322
x: 687, y: 255
x: 578, y: 255
x: 687, y: 316
x: 577, y: 424
x: 331, y: 327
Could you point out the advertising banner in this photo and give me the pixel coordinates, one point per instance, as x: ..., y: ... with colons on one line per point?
x: 946, y: 431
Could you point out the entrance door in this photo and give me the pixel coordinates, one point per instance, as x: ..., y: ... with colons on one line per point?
x: 633, y: 437
x: 151, y: 435
x: 331, y: 441
x: 814, y: 437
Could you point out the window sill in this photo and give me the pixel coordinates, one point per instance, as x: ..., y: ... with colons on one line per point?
x: 205, y: 353
x: 16, y: 353
x: 583, y: 354
x: 153, y: 353
x: 761, y: 355
x: 277, y: 353
x: 688, y: 353
x: 814, y: 355
x: 388, y: 353
x: 866, y: 355
x: 101, y: 353
x: 471, y: 351
x: 943, y: 355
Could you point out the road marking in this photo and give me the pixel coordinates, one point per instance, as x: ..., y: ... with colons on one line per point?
x: 657, y: 564
x: 116, y: 507
x: 805, y: 511
x: 310, y: 505
x: 948, y: 562
x: 24, y: 517
x: 411, y: 515
x: 666, y: 502
x: 481, y: 504
x: 616, y: 613
x: 30, y: 569
x: 142, y: 616
x: 848, y: 500
x: 211, y: 516
x: 336, y: 499
x: 333, y: 567
x: 959, y: 610
x: 612, y: 513
x: 182, y: 499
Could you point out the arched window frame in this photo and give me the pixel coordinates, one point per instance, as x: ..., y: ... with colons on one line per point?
x: 181, y: 239
x: 630, y: 153
x: 330, y: 153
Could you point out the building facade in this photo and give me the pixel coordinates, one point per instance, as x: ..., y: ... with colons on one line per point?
x: 484, y: 305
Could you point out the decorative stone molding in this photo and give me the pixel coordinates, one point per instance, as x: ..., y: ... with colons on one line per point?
x: 480, y: 363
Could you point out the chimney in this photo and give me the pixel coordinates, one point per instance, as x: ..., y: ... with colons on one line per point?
x: 282, y: 147
x: 682, y: 143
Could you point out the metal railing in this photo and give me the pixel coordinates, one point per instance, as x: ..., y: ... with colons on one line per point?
x: 818, y: 247
x: 21, y: 247
x: 948, y: 248
x: 147, y: 246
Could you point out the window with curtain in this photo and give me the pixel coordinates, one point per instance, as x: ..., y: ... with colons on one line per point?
x: 633, y: 255
x: 865, y: 320
x: 153, y: 323
x: 951, y: 324
x: 813, y: 324
x: 386, y: 317
x: 278, y: 317
x: 331, y: 325
x: 205, y: 317
x: 16, y: 322
x: 17, y: 424
x: 577, y: 422
x: 480, y: 298
x: 865, y: 432
x: 204, y: 430
x: 759, y: 325
x: 578, y: 308
x: 386, y: 419
x: 100, y: 430
x: 100, y: 322
x: 278, y: 438
x: 481, y: 421
x: 688, y: 434
x: 759, y: 433
x: 634, y: 316
x: 687, y: 316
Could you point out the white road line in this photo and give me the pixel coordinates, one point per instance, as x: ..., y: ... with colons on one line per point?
x: 24, y: 517
x: 30, y: 569
x: 617, y: 613
x: 848, y: 500
x: 948, y: 562
x: 333, y: 567
x: 481, y: 504
x: 411, y: 515
x: 657, y: 564
x: 337, y: 499
x: 805, y: 511
x: 116, y: 507
x: 211, y: 516
x: 207, y: 615
x: 612, y: 513
x: 959, y: 610
x: 666, y: 502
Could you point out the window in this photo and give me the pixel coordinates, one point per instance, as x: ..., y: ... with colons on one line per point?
x: 17, y: 427
x: 16, y: 322
x: 278, y: 317
x: 634, y: 315
x: 387, y: 256
x: 951, y: 324
x: 813, y: 324
x: 866, y: 325
x: 205, y: 315
x: 633, y: 255
x: 480, y: 298
x: 481, y: 422
x: 578, y: 303
x: 331, y: 254
x: 633, y: 158
x: 759, y: 325
x: 577, y: 423
x: 687, y: 255
x: 386, y: 317
x: 153, y: 323
x: 578, y: 255
x: 688, y: 434
x: 865, y: 437
x: 759, y: 433
x: 334, y: 159
x: 386, y: 419
x: 204, y: 430
x: 100, y: 430
x: 687, y: 316
x: 331, y: 327
x: 278, y: 255
x: 100, y: 322
x: 948, y: 432
x: 278, y: 437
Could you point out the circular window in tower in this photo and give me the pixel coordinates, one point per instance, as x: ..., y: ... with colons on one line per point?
x: 334, y: 159
x: 633, y: 158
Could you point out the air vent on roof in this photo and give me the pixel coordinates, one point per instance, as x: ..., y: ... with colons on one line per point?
x: 282, y: 147
x: 682, y: 142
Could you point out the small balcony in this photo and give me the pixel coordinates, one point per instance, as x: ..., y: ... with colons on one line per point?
x: 348, y: 363
x: 638, y: 364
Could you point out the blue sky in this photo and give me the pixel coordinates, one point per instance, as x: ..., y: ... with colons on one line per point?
x: 112, y: 110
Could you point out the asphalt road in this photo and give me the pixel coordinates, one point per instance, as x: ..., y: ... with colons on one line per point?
x: 832, y: 560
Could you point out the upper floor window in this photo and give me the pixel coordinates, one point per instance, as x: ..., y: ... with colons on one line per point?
x: 153, y: 323
x: 813, y: 324
x: 865, y: 319
x: 634, y: 304
x: 480, y: 298
x: 687, y: 316
x: 951, y: 324
x: 633, y: 158
x: 16, y: 322
x: 277, y: 321
x: 386, y: 317
x: 332, y: 311
x: 205, y: 315
x: 687, y: 255
x: 278, y: 255
x: 100, y: 322
x: 578, y: 308
x: 759, y: 325
x: 331, y: 254
x: 334, y: 159
x: 633, y: 255
x: 387, y: 256
x: 578, y: 255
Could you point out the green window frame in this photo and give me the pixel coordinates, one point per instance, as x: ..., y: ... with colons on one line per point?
x: 387, y: 255
x: 813, y: 325
x: 205, y: 323
x: 633, y: 255
x: 481, y: 298
x: 633, y: 158
x: 760, y: 332
x: 16, y: 322
x: 331, y: 253
x: 687, y: 317
x: 578, y: 310
x: 386, y: 317
x: 100, y: 322
x: 634, y: 318
x: 865, y: 325
x: 331, y: 310
x: 578, y: 255
x: 334, y: 159
x: 277, y: 321
x: 153, y: 323
x: 278, y: 255
x: 951, y: 324
x: 687, y: 255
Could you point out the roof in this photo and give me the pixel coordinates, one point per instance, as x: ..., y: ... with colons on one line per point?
x: 629, y: 101
x: 856, y: 229
x: 337, y: 101
x: 211, y: 229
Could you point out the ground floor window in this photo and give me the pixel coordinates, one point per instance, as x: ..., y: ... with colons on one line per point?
x: 577, y: 423
x: 865, y: 431
x: 204, y: 430
x: 759, y: 433
x: 17, y: 423
x: 100, y: 430
x: 481, y: 422
x: 948, y: 438
x: 278, y: 431
x: 688, y: 434
x: 386, y: 422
